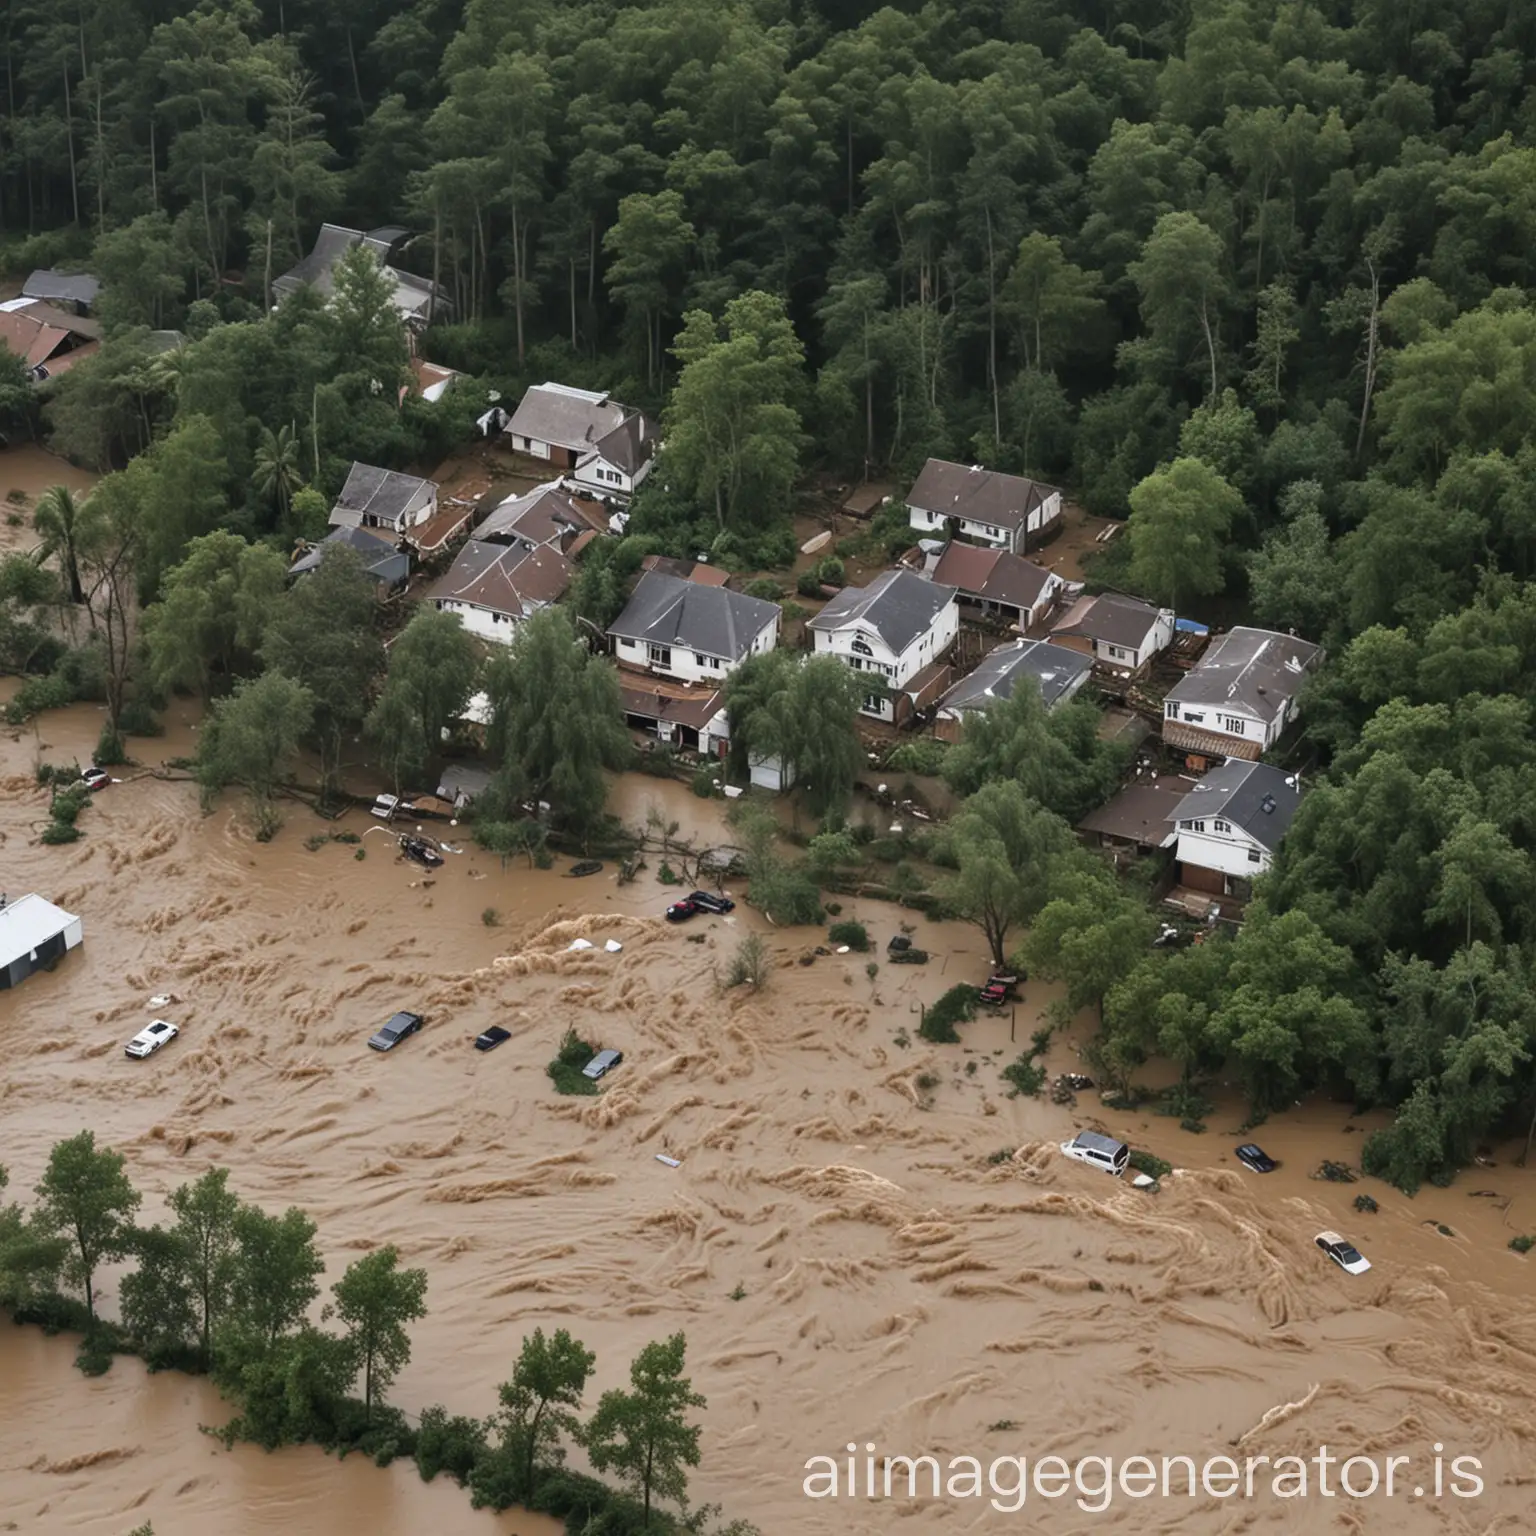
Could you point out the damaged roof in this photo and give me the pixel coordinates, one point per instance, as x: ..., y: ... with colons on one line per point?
x: 1256, y: 670
x: 565, y: 417
x: 380, y: 493
x: 995, y: 575
x: 514, y: 579
x: 1055, y: 669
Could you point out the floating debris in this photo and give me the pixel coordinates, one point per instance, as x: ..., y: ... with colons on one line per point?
x: 671, y: 1162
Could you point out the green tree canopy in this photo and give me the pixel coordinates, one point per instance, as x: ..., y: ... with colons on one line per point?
x: 85, y: 1197
x: 1179, y: 520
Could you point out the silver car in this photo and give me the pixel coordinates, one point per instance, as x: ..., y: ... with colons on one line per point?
x: 602, y: 1064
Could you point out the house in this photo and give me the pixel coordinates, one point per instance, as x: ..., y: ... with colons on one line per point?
x: 1237, y: 699
x: 677, y: 714
x: 687, y: 570
x: 1057, y: 672
x: 605, y: 447
x: 418, y: 301
x: 997, y: 582
x: 1122, y: 634
x: 546, y: 516
x: 899, y: 629
x: 429, y: 381
x: 492, y: 588
x: 690, y: 632
x: 48, y: 340
x: 1139, y: 818
x: 984, y: 506
x: 1230, y: 824
x: 33, y: 934
x: 388, y: 565
x: 381, y: 498
x: 73, y: 292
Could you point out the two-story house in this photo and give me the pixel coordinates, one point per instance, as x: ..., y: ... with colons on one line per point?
x: 899, y: 630
x: 491, y: 588
x: 1238, y: 698
x: 383, y: 499
x: 984, y: 506
x: 1122, y: 634
x: 606, y: 448
x: 690, y: 632
x: 1230, y: 824
x: 1058, y: 673
x: 998, y: 583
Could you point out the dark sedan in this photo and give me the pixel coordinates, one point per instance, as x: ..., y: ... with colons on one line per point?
x: 489, y: 1039
x: 1250, y: 1155
x: 681, y: 911
x: 703, y: 901
x: 389, y: 1035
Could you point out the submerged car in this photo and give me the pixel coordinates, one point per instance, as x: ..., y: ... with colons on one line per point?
x: 1253, y: 1156
x: 386, y: 806
x: 489, y: 1039
x: 95, y: 778
x: 150, y: 1039
x: 602, y: 1064
x: 1344, y: 1254
x: 389, y: 1035
x: 998, y: 990
x: 419, y: 851
x: 1098, y: 1151
x: 681, y: 911
x: 703, y: 901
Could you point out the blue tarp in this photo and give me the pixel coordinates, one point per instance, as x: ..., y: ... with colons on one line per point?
x: 1189, y: 627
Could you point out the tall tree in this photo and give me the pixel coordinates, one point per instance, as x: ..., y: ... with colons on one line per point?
x: 252, y: 738
x: 541, y: 1402
x: 1179, y: 519
x: 375, y: 1299
x: 206, y: 1212
x: 58, y: 520
x: 85, y: 1196
x: 648, y: 247
x: 1183, y: 286
x: 276, y: 1267
x: 433, y: 665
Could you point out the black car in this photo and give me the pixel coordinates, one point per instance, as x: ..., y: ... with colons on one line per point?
x: 681, y: 911
x: 1255, y: 1157
x: 419, y: 851
x: 389, y: 1035
x: 489, y: 1039
x: 704, y: 902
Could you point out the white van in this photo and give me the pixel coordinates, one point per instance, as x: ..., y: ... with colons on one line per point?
x: 1098, y: 1152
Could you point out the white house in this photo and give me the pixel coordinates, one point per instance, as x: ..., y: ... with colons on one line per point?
x: 998, y: 583
x: 1058, y: 673
x: 899, y: 629
x: 606, y: 448
x: 492, y: 588
x: 381, y: 498
x: 983, y: 505
x: 691, y: 632
x: 1122, y: 634
x: 1237, y: 699
x: 1230, y: 824
x: 33, y: 934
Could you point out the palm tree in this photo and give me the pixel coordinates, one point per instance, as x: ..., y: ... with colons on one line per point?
x: 60, y: 519
x: 277, y: 466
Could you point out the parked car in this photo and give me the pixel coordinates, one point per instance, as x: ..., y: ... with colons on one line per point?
x: 150, y: 1039
x: 998, y: 990
x: 601, y: 1064
x: 1255, y: 1157
x: 489, y: 1039
x: 681, y: 911
x: 1102, y: 1152
x: 704, y: 901
x: 95, y: 778
x: 389, y: 1035
x: 419, y: 851
x: 1344, y: 1254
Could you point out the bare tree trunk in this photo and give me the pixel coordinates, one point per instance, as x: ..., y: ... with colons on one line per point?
x: 869, y: 403
x: 1210, y: 344
x: 69, y: 137
x: 573, y: 301
x: 517, y: 280
x: 266, y: 285
x: 154, y: 177
x: 997, y: 410
x: 1372, y: 332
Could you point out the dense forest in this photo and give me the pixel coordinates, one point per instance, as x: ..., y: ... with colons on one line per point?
x: 1256, y: 274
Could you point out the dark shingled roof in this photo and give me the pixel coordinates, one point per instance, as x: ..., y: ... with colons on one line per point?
x: 380, y: 493
x: 1142, y: 812
x: 1054, y: 668
x: 505, y: 578
x: 1109, y: 617
x: 1259, y: 799
x: 629, y: 445
x: 982, y: 495
x: 413, y: 296
x: 897, y: 605
x: 1256, y: 669
x: 997, y: 575
x: 380, y: 558
x: 566, y: 417
x: 62, y: 287
x: 544, y: 516
x: 713, y: 621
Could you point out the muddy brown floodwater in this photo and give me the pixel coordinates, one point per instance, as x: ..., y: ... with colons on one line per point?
x: 893, y: 1286
x: 26, y: 471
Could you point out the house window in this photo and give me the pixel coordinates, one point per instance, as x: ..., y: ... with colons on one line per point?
x: 874, y: 703
x: 1254, y: 855
x: 1222, y: 826
x: 1116, y: 651
x: 712, y: 662
x: 1197, y: 826
x: 1173, y: 709
x: 1192, y: 718
x: 860, y: 646
x: 1232, y: 723
x: 661, y: 655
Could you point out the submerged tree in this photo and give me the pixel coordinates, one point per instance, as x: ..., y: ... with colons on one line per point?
x: 375, y: 1299
x: 85, y: 1197
x: 252, y: 738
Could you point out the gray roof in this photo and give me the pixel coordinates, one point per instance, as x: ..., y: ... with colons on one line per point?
x: 629, y: 445
x: 897, y: 605
x: 566, y: 417
x: 982, y: 495
x: 62, y: 287
x: 1110, y: 617
x: 413, y: 296
x: 380, y: 558
x: 543, y: 516
x: 1053, y: 667
x: 1259, y: 799
x: 1142, y: 812
x: 714, y: 621
x: 1257, y: 670
x: 380, y: 493
x: 27, y: 922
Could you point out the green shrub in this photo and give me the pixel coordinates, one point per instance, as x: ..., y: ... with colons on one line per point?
x: 565, y: 1070
x: 1153, y: 1167
x: 925, y: 756
x: 854, y: 935
x: 448, y: 1443
x: 110, y: 751
x: 1025, y: 1078
x: 139, y: 719
x: 763, y: 588
x: 490, y: 917
x: 808, y: 583
x: 704, y: 783
x: 831, y: 571
x: 1522, y: 1244
x: 956, y: 1006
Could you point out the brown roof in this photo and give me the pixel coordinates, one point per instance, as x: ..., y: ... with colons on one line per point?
x: 1189, y: 738
x: 982, y: 495
x: 687, y: 570
x: 927, y: 683
x: 544, y: 516
x: 994, y: 574
x: 29, y: 338
x: 1110, y: 617
x: 505, y: 578
x: 658, y: 701
x: 1139, y: 813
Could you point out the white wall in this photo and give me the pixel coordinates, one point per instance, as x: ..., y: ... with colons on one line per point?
x: 1221, y: 721
x: 689, y: 666
x: 1012, y: 537
x: 481, y: 621
x: 1227, y: 852
x: 533, y: 447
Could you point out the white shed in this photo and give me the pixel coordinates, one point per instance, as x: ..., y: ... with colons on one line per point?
x: 33, y: 934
